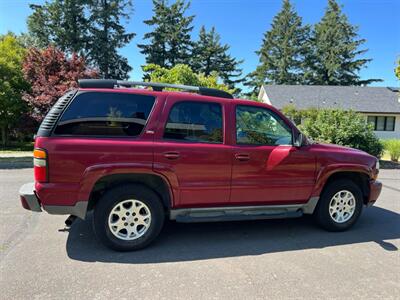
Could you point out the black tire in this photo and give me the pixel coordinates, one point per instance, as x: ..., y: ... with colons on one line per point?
x: 118, y: 194
x: 321, y: 213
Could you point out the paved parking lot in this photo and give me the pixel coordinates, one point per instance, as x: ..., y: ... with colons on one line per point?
x: 239, y: 260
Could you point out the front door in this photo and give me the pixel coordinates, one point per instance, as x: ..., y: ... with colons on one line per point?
x: 267, y: 169
x: 190, y: 152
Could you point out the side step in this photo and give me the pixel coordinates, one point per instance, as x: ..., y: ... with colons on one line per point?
x: 219, y: 214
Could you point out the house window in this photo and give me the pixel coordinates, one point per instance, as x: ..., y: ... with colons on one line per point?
x: 382, y: 123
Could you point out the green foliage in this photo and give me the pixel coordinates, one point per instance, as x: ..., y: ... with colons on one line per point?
x: 335, y: 51
x: 397, y: 70
x: 12, y: 83
x: 283, y: 50
x: 183, y: 74
x: 298, y: 115
x: 169, y: 41
x: 335, y: 126
x: 60, y: 22
x: 392, y: 146
x: 209, y: 55
x: 88, y: 27
x: 107, y: 35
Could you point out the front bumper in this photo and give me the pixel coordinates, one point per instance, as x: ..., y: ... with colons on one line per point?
x: 28, y: 197
x: 375, y: 188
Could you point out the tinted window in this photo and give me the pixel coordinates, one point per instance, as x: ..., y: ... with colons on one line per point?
x: 195, y: 122
x: 259, y: 126
x: 108, y: 114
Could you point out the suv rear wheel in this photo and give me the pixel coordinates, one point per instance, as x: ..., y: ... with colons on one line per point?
x: 128, y: 217
x: 340, y: 205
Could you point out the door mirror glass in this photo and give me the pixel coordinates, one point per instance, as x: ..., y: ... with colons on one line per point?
x: 298, y: 139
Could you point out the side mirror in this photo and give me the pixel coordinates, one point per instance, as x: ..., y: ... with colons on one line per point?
x: 298, y: 140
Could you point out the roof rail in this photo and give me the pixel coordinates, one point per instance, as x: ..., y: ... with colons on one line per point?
x: 111, y: 83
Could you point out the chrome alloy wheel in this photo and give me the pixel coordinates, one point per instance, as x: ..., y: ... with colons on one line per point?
x: 129, y: 219
x: 342, y: 206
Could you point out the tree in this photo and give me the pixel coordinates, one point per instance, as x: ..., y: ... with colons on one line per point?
x: 210, y: 56
x: 12, y: 83
x: 107, y: 35
x: 169, y: 42
x: 283, y: 50
x: 88, y: 27
x: 334, y: 59
x: 51, y: 73
x: 62, y: 23
x: 397, y: 70
x: 183, y: 74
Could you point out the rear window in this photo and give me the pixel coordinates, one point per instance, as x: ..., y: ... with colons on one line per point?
x: 106, y: 114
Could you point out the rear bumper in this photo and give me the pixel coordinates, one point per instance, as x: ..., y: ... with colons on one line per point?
x: 30, y: 201
x: 375, y: 188
x: 28, y: 197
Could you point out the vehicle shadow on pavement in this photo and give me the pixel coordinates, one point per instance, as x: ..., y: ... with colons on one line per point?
x: 198, y: 241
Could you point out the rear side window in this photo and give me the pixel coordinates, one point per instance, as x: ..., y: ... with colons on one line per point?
x: 106, y: 114
x: 195, y: 122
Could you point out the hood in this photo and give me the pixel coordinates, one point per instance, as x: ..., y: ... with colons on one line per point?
x: 335, y: 147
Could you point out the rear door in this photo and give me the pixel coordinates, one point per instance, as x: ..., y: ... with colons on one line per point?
x: 190, y: 151
x: 267, y: 169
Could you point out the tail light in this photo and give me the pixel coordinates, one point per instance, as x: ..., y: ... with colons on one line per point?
x: 40, y: 165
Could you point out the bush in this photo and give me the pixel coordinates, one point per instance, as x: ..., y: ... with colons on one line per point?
x: 393, y: 148
x: 341, y: 127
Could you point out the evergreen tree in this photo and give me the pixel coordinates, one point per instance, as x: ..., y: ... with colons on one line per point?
x: 283, y: 50
x: 334, y: 57
x: 107, y: 35
x: 60, y: 22
x: 210, y: 56
x: 88, y: 27
x: 169, y: 42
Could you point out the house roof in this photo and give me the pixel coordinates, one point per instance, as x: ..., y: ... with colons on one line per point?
x: 357, y: 98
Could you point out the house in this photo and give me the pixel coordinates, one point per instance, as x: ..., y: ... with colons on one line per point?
x: 380, y: 105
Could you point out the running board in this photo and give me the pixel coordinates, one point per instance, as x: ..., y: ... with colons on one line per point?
x: 236, y: 213
x: 231, y: 217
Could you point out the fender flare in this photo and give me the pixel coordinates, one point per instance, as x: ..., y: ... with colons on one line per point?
x: 94, y: 173
x: 326, y: 172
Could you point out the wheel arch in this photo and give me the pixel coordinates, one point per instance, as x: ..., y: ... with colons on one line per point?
x: 155, y: 182
x: 358, y: 176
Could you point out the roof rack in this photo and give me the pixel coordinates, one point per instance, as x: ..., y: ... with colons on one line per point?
x: 111, y: 83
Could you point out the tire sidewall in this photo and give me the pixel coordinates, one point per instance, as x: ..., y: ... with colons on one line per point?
x: 125, y: 192
x: 323, y: 216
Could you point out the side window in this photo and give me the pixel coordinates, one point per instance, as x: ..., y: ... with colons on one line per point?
x: 195, y: 122
x: 106, y: 114
x: 260, y: 126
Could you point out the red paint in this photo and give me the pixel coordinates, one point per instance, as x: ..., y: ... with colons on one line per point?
x: 197, y: 174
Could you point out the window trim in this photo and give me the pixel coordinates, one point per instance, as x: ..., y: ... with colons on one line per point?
x: 375, y: 123
x: 195, y: 142
x: 53, y: 134
x: 273, y: 113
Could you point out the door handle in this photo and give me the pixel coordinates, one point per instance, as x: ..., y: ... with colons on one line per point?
x: 171, y: 155
x: 242, y: 156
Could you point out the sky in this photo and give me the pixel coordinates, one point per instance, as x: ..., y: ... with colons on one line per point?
x: 242, y: 23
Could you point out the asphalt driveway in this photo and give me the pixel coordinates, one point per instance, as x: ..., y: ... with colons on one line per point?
x: 240, y: 260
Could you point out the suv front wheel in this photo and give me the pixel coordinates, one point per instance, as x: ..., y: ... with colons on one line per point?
x: 340, y: 205
x: 128, y: 217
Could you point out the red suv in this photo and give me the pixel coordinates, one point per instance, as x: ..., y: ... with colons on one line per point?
x: 137, y: 156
